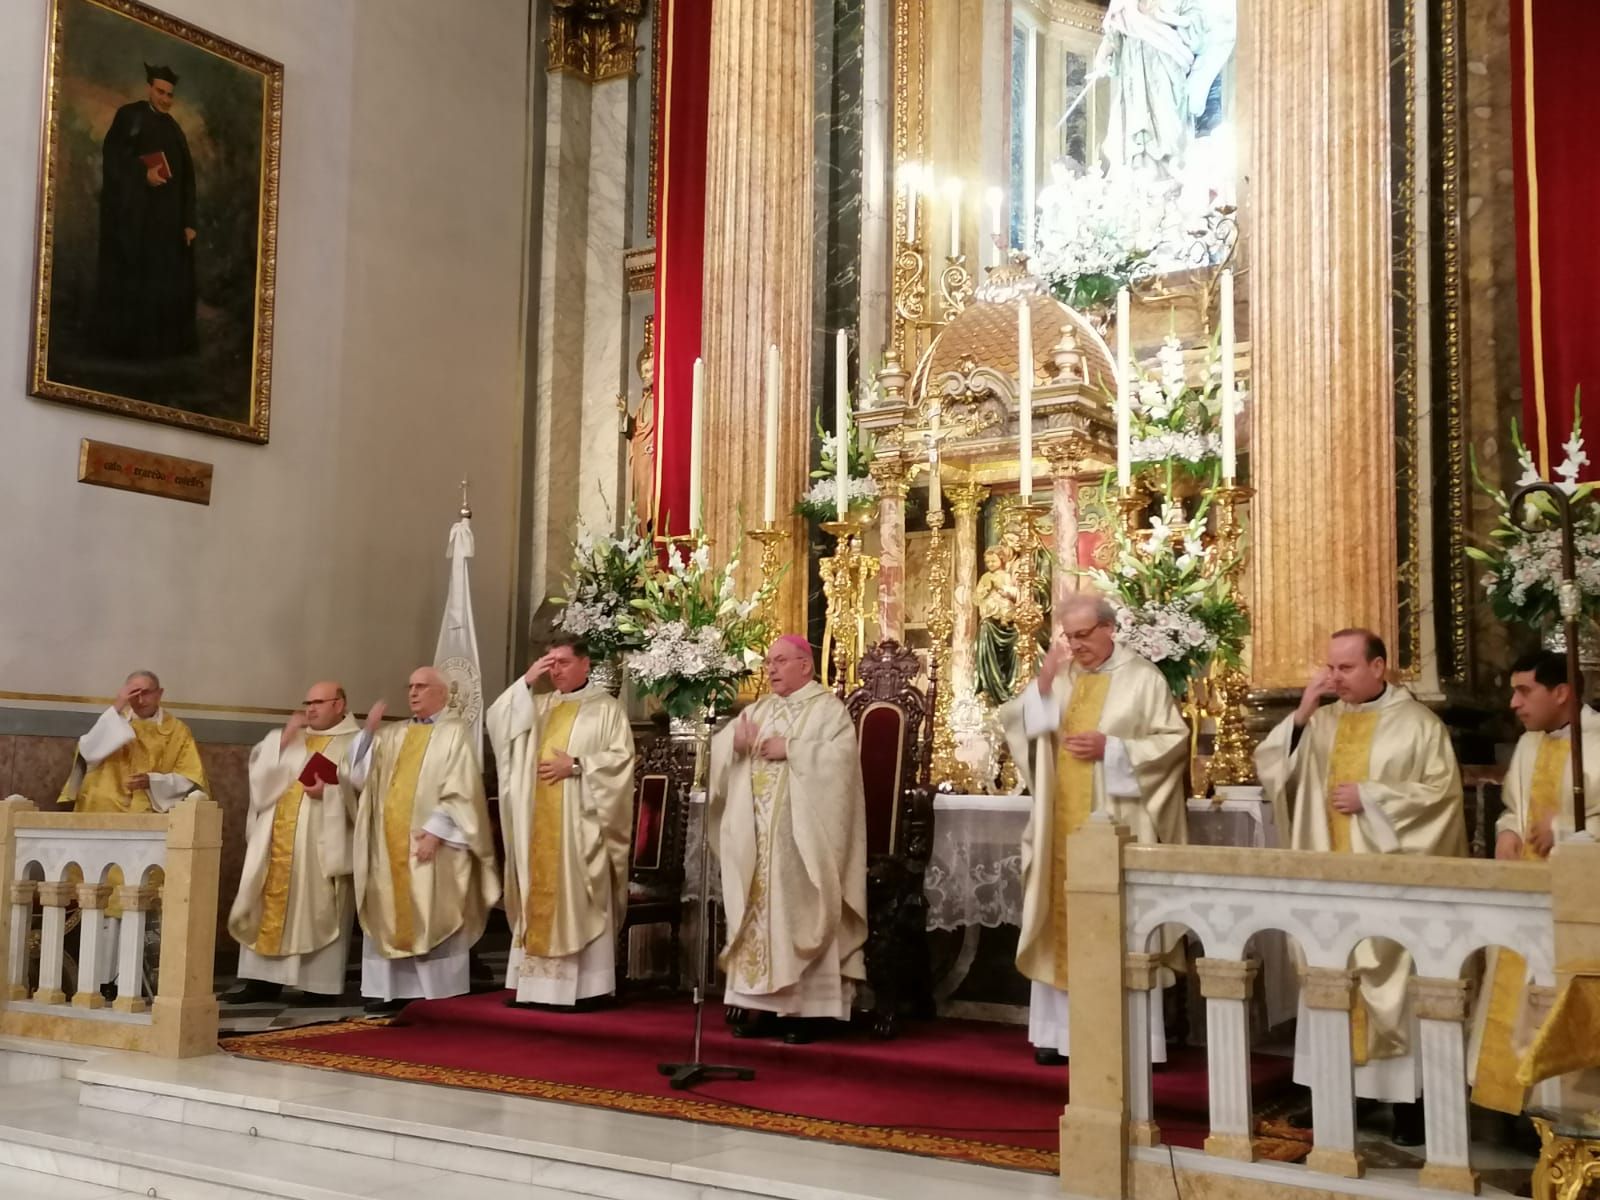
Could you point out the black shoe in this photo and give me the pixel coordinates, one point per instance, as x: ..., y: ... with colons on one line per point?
x: 758, y: 1025
x: 253, y: 991
x: 1409, y: 1126
x: 319, y: 1000
x: 799, y: 1032
x: 381, y: 1008
x: 108, y: 992
x: 1047, y: 1057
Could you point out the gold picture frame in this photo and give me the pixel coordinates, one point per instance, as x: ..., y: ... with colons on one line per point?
x: 156, y: 259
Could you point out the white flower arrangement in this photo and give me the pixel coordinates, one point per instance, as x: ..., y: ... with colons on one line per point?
x: 822, y: 495
x: 1177, y: 420
x: 606, y: 576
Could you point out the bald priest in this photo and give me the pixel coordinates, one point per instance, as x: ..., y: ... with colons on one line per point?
x: 294, y: 909
x: 425, y: 874
x: 137, y: 758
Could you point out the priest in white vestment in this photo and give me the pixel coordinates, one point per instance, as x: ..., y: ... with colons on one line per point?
x: 1099, y: 732
x: 566, y: 809
x: 425, y: 874
x: 1538, y: 813
x: 788, y: 820
x: 294, y: 910
x: 1374, y: 773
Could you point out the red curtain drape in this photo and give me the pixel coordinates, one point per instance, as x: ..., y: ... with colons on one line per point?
x: 1557, y: 176
x: 684, y: 60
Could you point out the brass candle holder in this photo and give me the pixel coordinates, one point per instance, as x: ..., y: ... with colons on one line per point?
x: 1232, y: 754
x: 946, y: 767
x: 844, y: 580
x: 1131, y: 503
x: 1022, y: 525
x: 771, y: 539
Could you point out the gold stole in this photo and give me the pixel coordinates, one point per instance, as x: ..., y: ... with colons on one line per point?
x: 1350, y: 762
x: 399, y: 811
x: 1495, y: 1085
x: 101, y: 790
x: 544, y: 848
x: 1073, y: 800
x: 280, y: 860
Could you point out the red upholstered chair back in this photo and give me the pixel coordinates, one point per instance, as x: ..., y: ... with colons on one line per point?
x: 889, y: 711
x: 660, y: 815
x: 650, y: 822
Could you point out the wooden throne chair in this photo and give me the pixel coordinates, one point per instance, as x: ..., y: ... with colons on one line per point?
x: 655, y: 861
x: 894, y: 731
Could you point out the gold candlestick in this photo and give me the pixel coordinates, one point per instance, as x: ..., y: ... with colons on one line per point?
x: 844, y: 577
x: 1022, y: 520
x: 1131, y: 504
x: 947, y: 768
x: 1232, y: 754
x: 771, y: 539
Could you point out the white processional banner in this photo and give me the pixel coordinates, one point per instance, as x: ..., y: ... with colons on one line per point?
x: 456, y: 657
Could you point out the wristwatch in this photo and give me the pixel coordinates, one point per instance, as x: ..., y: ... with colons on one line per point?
x: 577, y: 766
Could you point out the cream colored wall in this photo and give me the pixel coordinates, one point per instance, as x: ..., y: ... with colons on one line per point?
x: 397, y: 371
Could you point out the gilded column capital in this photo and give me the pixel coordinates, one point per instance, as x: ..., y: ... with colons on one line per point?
x: 965, y: 497
x: 1066, y: 455
x: 594, y: 39
x: 891, y: 476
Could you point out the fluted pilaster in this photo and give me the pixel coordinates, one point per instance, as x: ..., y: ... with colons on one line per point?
x: 1315, y: 73
x: 758, y: 261
x: 964, y: 501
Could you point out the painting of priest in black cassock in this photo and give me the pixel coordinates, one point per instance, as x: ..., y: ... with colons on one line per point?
x: 158, y: 220
x: 145, y: 301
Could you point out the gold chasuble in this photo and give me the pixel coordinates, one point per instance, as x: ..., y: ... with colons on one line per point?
x: 1139, y: 785
x: 1399, y: 755
x: 567, y: 840
x: 162, y: 745
x: 408, y: 907
x: 1538, y: 793
x: 294, y: 896
x: 790, y: 837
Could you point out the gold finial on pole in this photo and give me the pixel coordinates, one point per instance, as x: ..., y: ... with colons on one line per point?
x: 466, y: 509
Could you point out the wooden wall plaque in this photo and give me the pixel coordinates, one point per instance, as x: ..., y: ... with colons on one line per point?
x: 108, y: 465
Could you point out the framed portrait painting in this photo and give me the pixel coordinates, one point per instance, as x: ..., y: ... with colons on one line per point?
x: 158, y: 218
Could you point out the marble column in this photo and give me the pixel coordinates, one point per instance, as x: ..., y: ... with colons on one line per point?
x: 1441, y: 1009
x: 137, y: 903
x: 1226, y: 984
x: 892, y: 487
x: 1141, y: 980
x: 759, y: 268
x: 1066, y: 460
x: 53, y: 899
x: 21, y: 899
x: 92, y: 945
x: 964, y: 501
x: 1328, y: 993
x: 1314, y: 77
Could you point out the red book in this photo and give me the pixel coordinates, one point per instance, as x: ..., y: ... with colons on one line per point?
x: 319, y: 769
x: 158, y: 160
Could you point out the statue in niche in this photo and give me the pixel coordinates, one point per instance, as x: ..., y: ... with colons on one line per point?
x: 639, y: 428
x: 1165, y: 60
x: 996, y: 598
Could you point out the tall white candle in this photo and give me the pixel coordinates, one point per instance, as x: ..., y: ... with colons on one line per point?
x: 697, y: 423
x: 769, y: 483
x: 952, y: 189
x: 911, y: 176
x: 996, y: 230
x: 1230, y: 448
x: 841, y: 422
x: 935, y: 488
x: 1124, y: 394
x: 1025, y: 397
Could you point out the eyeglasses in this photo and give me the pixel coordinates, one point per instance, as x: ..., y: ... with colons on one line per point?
x: 1081, y: 635
x: 329, y: 700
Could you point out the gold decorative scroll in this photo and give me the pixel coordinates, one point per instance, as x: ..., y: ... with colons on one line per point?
x: 594, y: 39
x: 130, y: 470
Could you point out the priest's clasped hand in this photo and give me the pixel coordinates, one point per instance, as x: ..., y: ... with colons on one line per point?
x: 1346, y: 798
x: 136, y: 783
x: 556, y: 766
x: 1089, y: 747
x: 774, y: 749
x: 425, y: 845
x: 314, y: 790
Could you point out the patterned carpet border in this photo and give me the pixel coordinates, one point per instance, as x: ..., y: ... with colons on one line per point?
x: 269, y: 1047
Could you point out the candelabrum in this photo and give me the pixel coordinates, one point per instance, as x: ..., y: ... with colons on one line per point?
x: 771, y: 539
x: 941, y: 620
x: 844, y: 580
x: 1023, y: 532
x: 1131, y: 502
x: 1231, y: 759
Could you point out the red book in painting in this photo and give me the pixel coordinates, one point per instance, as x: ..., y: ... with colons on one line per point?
x: 319, y: 769
x: 158, y: 160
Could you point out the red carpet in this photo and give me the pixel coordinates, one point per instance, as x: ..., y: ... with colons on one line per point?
x: 954, y: 1089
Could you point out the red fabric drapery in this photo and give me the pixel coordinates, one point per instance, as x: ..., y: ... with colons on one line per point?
x: 1557, y: 175
x: 684, y: 60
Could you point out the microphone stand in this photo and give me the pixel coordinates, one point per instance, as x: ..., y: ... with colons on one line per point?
x: 687, y: 1074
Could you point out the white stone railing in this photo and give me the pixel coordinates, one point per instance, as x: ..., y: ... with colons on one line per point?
x: 1440, y: 910
x: 130, y: 865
